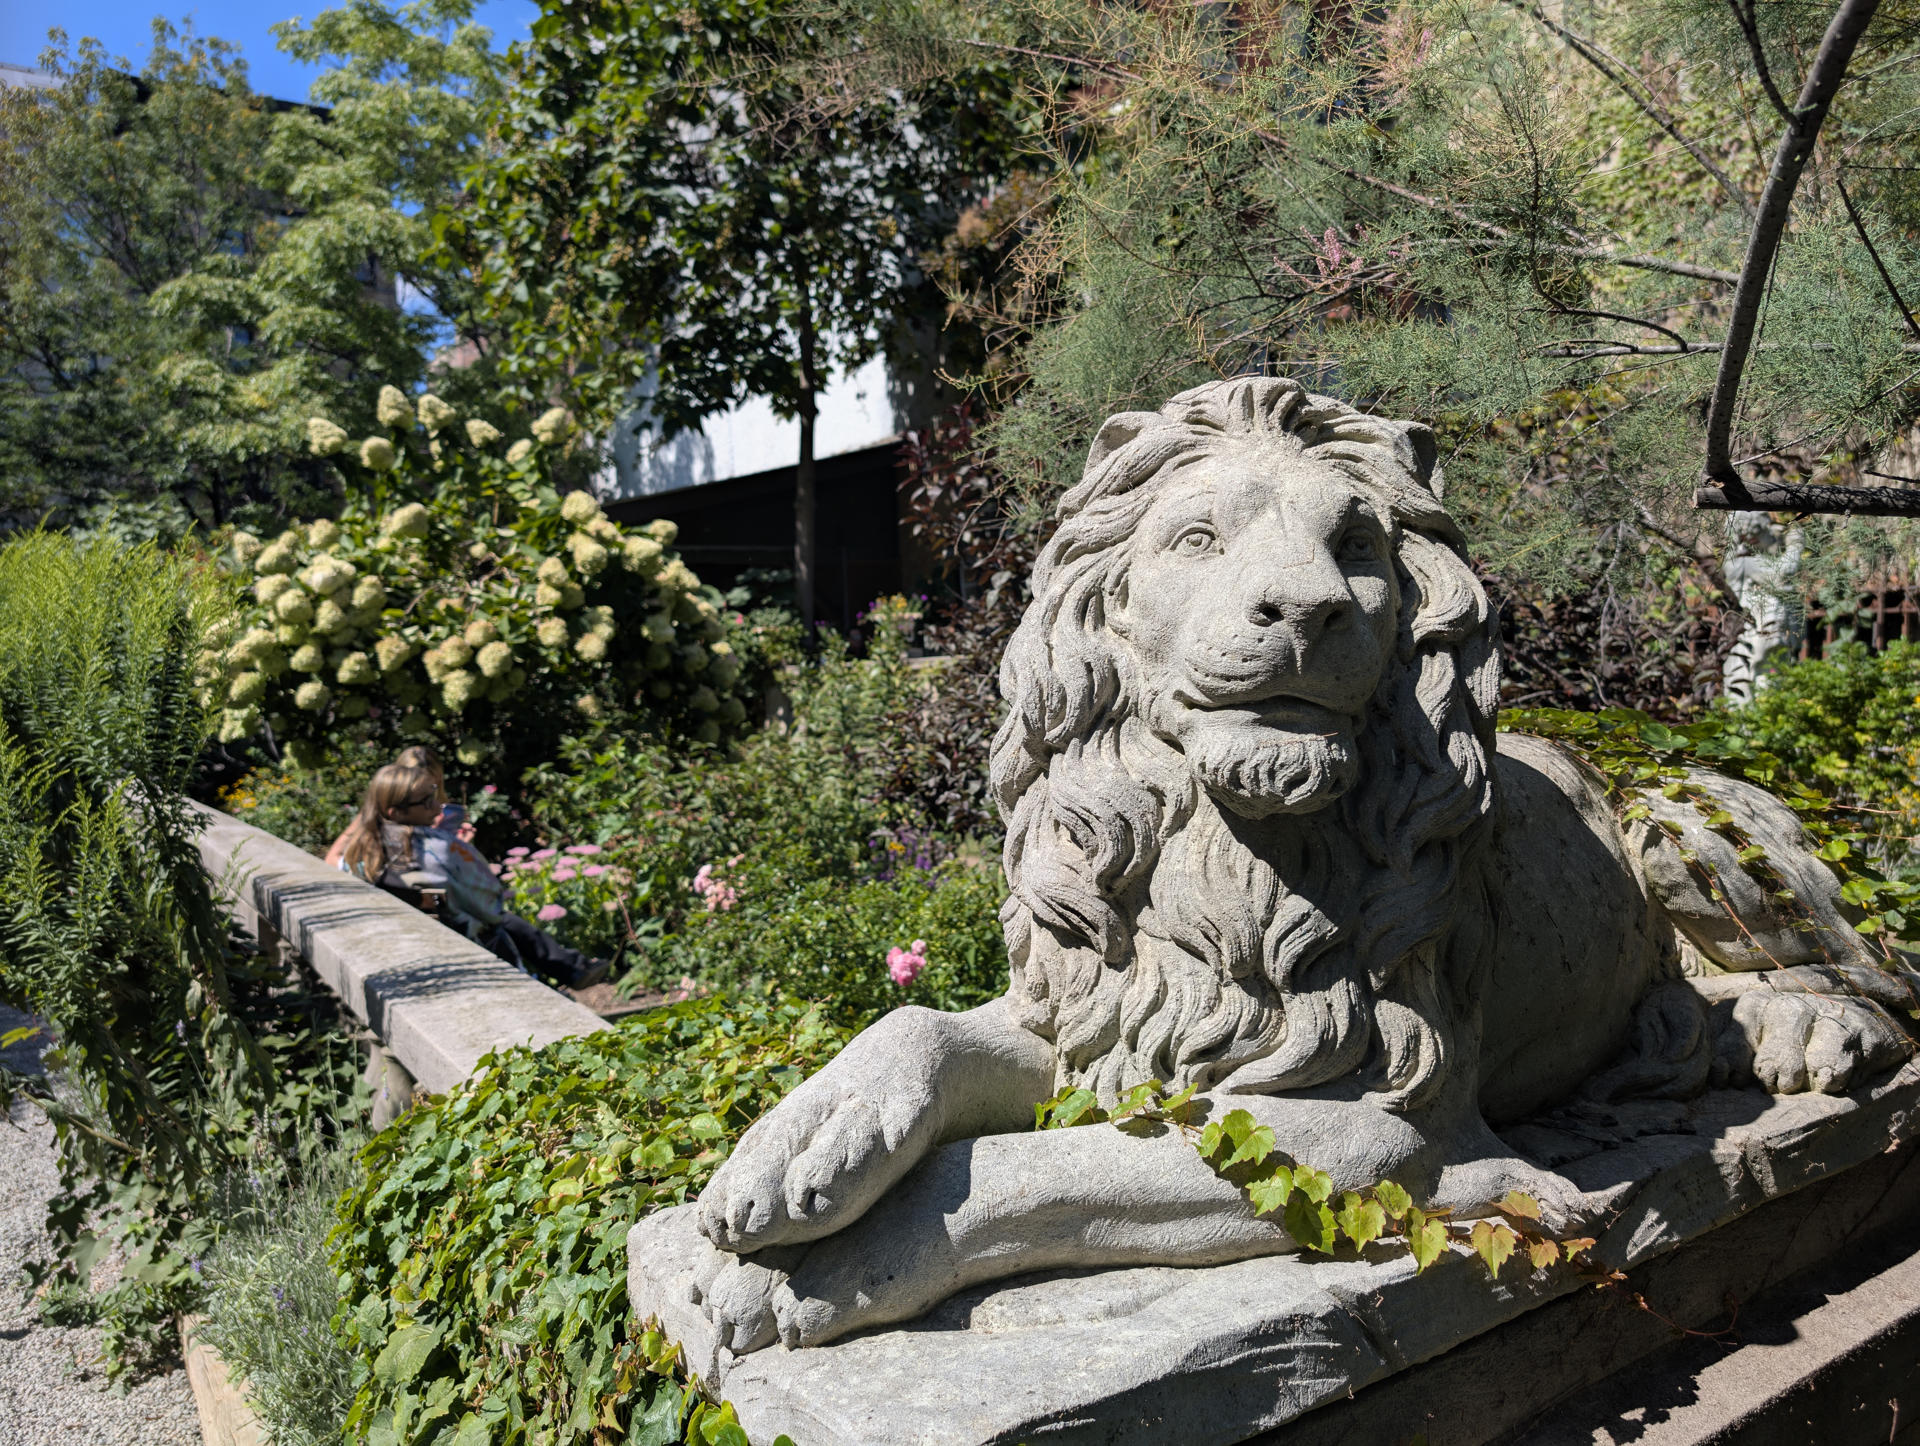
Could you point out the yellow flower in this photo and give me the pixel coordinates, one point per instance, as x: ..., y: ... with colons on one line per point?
x: 393, y: 409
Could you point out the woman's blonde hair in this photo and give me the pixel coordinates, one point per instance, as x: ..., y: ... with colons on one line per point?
x: 421, y: 756
x: 398, y: 785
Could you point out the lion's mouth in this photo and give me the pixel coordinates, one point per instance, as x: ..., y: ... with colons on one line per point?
x: 1285, y: 710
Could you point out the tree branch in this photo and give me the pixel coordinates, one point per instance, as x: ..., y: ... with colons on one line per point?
x: 1789, y: 161
x: 1859, y: 226
x: 1617, y: 72
x: 1807, y: 497
x: 1752, y: 31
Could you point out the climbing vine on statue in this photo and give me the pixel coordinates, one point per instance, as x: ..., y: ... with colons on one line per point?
x: 460, y: 597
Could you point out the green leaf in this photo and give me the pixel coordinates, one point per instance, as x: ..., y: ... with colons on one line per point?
x: 1394, y: 1200
x: 1493, y: 1244
x: 1252, y: 1148
x: 1543, y: 1252
x: 1514, y: 1202
x: 1316, y: 1185
x: 1310, y: 1224
x: 1719, y: 818
x: 1269, y: 1192
x: 407, y: 1352
x: 1134, y: 1101
x: 1426, y: 1239
x: 1361, y: 1221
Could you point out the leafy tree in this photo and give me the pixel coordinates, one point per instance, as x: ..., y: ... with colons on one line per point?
x: 673, y: 206
x: 1479, y: 213
x: 189, y: 271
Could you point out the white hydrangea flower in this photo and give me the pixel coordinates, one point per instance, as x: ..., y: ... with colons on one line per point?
x: 393, y: 409
x: 377, y: 454
x: 482, y: 434
x: 480, y: 632
x: 553, y: 572
x: 356, y: 668
x: 246, y: 547
x: 391, y: 652
x: 354, y: 705
x: 238, y: 723
x: 495, y: 659
x: 323, y: 437
x: 308, y: 658
x: 676, y: 576
x: 660, y: 688
x: 591, y: 647
x: 605, y: 528
x: 293, y: 606
x: 589, y: 706
x: 408, y: 521
x: 588, y: 555
x: 458, y: 687
x: 552, y: 632
x: 518, y: 453
x: 323, y: 533
x: 546, y: 595
x: 312, y: 696
x: 275, y: 559
x: 369, y: 595
x: 247, y: 689
x: 660, y: 627
x: 659, y: 658
x: 251, y: 647
x: 579, y: 508
x: 327, y: 575
x: 470, y: 751
x: 457, y: 651
x: 662, y: 531
x: 434, y: 413
x: 292, y: 635
x: 269, y: 588
x: 551, y: 425
x: 329, y: 617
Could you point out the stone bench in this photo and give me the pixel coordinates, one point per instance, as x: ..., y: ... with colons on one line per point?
x: 434, y: 998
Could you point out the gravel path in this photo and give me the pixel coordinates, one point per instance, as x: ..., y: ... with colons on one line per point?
x: 53, y: 1390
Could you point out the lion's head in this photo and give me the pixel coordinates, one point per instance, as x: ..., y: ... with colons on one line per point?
x: 1245, y: 767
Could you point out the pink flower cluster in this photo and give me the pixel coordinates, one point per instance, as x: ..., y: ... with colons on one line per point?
x: 904, y: 965
x: 560, y: 866
x: 719, y: 894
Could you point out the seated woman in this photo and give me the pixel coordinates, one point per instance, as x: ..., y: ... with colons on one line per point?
x: 396, y: 842
x: 452, y: 816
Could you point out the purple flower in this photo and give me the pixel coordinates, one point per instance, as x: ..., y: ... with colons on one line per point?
x: 180, y: 1029
x: 549, y: 912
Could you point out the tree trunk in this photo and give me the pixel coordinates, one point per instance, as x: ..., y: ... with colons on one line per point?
x: 803, y: 499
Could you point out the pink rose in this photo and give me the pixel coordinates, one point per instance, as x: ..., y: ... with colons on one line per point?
x: 904, y: 965
x: 549, y: 912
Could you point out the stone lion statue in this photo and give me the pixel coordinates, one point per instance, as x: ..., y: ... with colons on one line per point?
x: 1262, y: 839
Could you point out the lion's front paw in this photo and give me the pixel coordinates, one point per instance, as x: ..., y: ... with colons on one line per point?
x: 742, y: 1299
x: 814, y: 1164
x: 1791, y: 1042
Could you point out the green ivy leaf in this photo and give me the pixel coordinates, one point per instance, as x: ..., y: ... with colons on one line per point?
x: 1426, y: 1239
x: 1361, y: 1221
x: 1270, y: 1191
x: 1493, y: 1243
x: 1517, y: 1203
x: 1394, y: 1200
x: 1310, y: 1224
x: 1316, y: 1185
x: 407, y: 1352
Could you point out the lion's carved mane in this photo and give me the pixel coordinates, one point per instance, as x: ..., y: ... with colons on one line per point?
x: 1264, y: 969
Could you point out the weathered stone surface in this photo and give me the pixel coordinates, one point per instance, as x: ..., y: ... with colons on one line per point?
x: 1262, y: 842
x: 1219, y: 1354
x: 436, y: 999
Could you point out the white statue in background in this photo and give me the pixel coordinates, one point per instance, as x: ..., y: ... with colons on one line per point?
x: 1763, y: 559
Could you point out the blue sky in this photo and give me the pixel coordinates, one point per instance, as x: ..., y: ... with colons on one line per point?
x: 125, y: 28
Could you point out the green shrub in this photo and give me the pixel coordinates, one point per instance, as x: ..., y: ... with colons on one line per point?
x: 482, y: 1261
x: 185, y: 1062
x: 824, y: 939
x: 1845, y: 724
x: 271, y: 1296
x: 308, y: 805
x: 459, y: 598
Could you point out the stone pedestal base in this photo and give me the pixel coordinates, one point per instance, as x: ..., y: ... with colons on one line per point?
x: 1222, y: 1354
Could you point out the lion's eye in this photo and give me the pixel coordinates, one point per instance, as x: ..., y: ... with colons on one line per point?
x: 1195, y: 541
x: 1357, y: 546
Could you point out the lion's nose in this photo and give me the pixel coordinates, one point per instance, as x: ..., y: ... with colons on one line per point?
x: 1306, y: 619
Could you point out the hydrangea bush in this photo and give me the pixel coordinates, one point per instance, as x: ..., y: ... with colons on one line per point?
x: 460, y: 595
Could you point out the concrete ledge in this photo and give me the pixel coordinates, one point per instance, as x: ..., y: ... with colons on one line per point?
x: 437, y: 999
